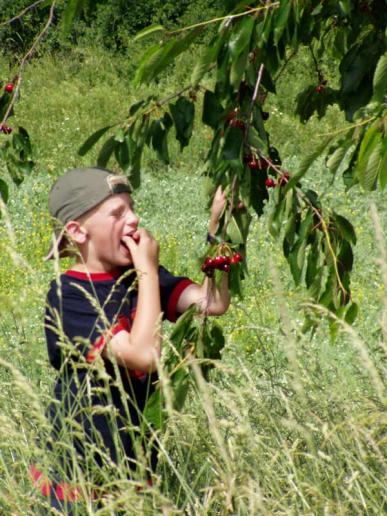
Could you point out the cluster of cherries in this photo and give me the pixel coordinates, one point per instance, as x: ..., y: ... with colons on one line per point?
x: 221, y: 262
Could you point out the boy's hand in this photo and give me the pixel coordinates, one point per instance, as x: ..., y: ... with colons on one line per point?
x: 217, y: 208
x: 144, y: 250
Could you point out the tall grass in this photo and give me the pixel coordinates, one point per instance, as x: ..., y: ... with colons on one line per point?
x: 289, y: 424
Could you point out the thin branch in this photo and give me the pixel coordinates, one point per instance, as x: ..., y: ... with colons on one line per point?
x: 283, y: 67
x: 228, y: 17
x: 254, y: 97
x: 25, y: 59
x: 22, y: 13
x: 353, y: 126
x: 318, y: 69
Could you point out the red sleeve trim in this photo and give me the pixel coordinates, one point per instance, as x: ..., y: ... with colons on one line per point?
x: 174, y: 298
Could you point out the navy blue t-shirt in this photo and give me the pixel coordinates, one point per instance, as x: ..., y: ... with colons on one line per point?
x: 99, y: 404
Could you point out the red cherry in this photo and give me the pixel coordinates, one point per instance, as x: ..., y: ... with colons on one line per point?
x: 225, y: 267
x: 5, y: 129
x: 237, y: 257
x: 269, y: 183
x: 235, y: 122
x: 9, y: 87
x: 284, y: 179
x: 254, y: 164
x: 231, y: 116
x: 209, y: 262
x: 319, y: 88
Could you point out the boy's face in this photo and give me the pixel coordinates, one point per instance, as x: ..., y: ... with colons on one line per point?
x: 106, y: 225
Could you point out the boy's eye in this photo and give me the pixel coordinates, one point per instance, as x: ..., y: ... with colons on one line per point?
x: 118, y: 212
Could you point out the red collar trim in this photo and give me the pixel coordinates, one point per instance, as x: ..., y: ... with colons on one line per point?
x: 94, y: 276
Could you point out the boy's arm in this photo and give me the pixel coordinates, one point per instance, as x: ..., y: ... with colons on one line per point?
x: 210, y: 299
x: 140, y: 349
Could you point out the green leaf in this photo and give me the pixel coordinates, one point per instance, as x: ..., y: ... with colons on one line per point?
x: 212, y: 109
x: 234, y: 232
x: 181, y: 327
x: 160, y: 137
x: 180, y: 384
x: 240, y: 36
x: 158, y: 58
x: 4, y: 190
x: 345, y: 228
x: 336, y: 158
x: 367, y: 169
x: 152, y: 29
x: 312, y: 264
x: 92, y: 140
x: 206, y: 60
x: 183, y: 114
x: 213, y: 351
x: 238, y: 67
x: 72, y: 10
x: 275, y: 218
x: 238, y: 226
x: 383, y: 168
x: 345, y: 258
x: 351, y: 313
x: 106, y: 152
x: 281, y: 20
x: 154, y: 411
x: 296, y: 260
x: 380, y: 79
x: 233, y: 144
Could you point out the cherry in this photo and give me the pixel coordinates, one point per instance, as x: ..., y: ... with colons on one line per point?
x: 270, y: 183
x: 265, y: 115
x: 284, y: 179
x: 364, y: 7
x: 9, y: 87
x: 254, y: 164
x: 209, y: 262
x: 225, y: 267
x: 319, y: 88
x: 237, y: 257
x: 231, y: 115
x: 235, y: 122
x: 5, y: 129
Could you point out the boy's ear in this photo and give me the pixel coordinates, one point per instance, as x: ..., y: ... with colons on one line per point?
x: 76, y: 232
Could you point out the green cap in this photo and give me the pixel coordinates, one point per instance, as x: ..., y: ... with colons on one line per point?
x: 76, y: 192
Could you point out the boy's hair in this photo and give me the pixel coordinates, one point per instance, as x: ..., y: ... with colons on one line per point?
x: 75, y: 193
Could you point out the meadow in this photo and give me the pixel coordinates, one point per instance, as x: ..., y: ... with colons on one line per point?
x: 290, y: 423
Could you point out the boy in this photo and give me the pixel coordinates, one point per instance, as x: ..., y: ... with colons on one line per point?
x: 103, y: 325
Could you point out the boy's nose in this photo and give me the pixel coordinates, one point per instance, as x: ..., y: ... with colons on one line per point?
x: 132, y: 219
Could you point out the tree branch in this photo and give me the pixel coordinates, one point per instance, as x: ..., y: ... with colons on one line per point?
x: 228, y: 17
x: 22, y: 13
x: 25, y: 59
